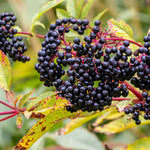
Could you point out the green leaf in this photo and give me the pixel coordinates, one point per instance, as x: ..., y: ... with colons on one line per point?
x: 25, y: 98
x: 120, y: 28
x: 119, y: 125
x: 142, y: 144
x: 36, y: 100
x: 79, y: 6
x: 86, y: 9
x: 71, y: 7
x: 77, y: 122
x: 42, y: 126
x: 61, y: 13
x: 45, y: 8
x: 99, y: 16
x: 79, y: 139
x: 5, y: 72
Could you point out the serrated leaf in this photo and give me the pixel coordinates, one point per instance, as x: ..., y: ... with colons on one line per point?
x: 86, y: 9
x: 120, y: 28
x: 123, y: 30
x: 45, y: 8
x: 71, y: 7
x: 25, y: 98
x: 142, y: 144
x: 41, y: 127
x: 61, y: 13
x: 79, y: 6
x: 119, y: 125
x: 19, y: 122
x: 36, y: 100
x: 99, y: 16
x: 10, y: 96
x: 5, y: 72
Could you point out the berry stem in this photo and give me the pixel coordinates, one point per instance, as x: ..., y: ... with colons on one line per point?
x: 133, y: 90
x: 9, y: 116
x: 120, y: 99
x: 8, y: 112
x: 122, y: 39
x: 30, y: 34
x: 7, y: 105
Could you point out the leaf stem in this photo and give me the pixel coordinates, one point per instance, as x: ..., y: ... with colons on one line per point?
x: 9, y: 116
x: 133, y: 90
x: 122, y: 39
x: 8, y: 112
x: 7, y: 105
x: 30, y: 34
x: 120, y: 98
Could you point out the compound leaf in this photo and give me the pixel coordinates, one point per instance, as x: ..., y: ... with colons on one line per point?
x: 5, y: 72
x: 119, y: 125
x: 61, y: 13
x: 142, y: 144
x: 79, y: 6
x: 71, y: 7
x: 45, y: 8
x: 19, y: 122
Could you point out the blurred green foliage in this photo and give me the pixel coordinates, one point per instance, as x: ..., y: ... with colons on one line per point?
x: 24, y: 78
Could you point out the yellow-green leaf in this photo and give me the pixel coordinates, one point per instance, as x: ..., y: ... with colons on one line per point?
x: 86, y: 8
x: 61, y: 13
x: 123, y: 30
x: 41, y: 127
x: 19, y: 122
x: 45, y: 8
x: 25, y: 99
x: 142, y: 144
x: 75, y: 123
x: 71, y: 7
x: 107, y: 113
x: 120, y: 28
x: 119, y: 125
x: 5, y: 72
x: 36, y: 100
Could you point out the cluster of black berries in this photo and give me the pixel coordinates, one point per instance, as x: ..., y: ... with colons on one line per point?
x: 138, y: 108
x: 10, y: 44
x: 142, y: 66
x: 92, y: 73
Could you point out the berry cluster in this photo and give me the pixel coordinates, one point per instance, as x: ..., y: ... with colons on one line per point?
x: 92, y: 73
x: 9, y: 43
x: 91, y: 70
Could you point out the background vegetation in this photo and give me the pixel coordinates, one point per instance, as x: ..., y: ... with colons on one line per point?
x: 24, y: 78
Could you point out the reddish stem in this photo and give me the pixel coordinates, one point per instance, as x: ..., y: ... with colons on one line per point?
x: 133, y: 90
x: 7, y: 105
x: 26, y: 33
x: 120, y: 99
x: 8, y: 112
x: 122, y: 39
x: 9, y: 116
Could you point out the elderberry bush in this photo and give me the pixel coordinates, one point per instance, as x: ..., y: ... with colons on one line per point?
x: 9, y: 43
x: 90, y: 71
